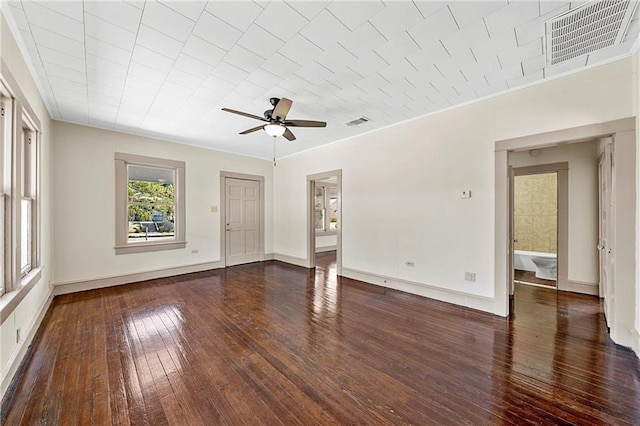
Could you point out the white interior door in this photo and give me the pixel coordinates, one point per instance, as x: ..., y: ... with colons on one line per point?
x: 242, y: 221
x: 605, y: 242
x: 512, y: 236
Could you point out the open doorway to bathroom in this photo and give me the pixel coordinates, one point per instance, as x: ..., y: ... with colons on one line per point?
x: 535, y: 226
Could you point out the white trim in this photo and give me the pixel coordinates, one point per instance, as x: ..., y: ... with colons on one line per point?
x: 16, y: 358
x: 114, y: 280
x: 298, y: 261
x: 482, y: 303
x: 635, y: 342
x: 11, y: 299
x: 581, y: 287
x: 327, y: 248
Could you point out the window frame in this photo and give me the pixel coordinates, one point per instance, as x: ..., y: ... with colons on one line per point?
x: 122, y: 244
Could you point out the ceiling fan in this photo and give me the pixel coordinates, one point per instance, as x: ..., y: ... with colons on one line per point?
x: 276, y: 119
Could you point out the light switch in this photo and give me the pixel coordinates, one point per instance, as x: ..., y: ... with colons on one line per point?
x: 214, y: 209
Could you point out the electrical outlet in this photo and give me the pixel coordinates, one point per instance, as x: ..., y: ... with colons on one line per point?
x: 410, y: 263
x: 465, y: 194
x: 17, y: 335
x: 194, y: 251
x: 470, y: 276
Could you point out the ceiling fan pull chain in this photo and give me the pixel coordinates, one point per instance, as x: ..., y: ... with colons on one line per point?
x: 274, y: 151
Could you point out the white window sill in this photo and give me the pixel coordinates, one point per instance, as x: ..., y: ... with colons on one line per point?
x: 323, y: 233
x: 145, y: 247
x: 10, y: 300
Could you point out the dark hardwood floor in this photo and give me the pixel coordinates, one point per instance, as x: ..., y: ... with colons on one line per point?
x: 272, y: 343
x: 529, y: 277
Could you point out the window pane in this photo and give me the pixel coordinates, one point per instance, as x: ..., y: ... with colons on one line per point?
x: 151, y: 222
x: 25, y: 235
x: 150, y: 185
x: 333, y: 214
x: 320, y: 208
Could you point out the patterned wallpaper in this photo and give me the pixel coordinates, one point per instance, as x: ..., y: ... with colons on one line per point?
x: 536, y: 205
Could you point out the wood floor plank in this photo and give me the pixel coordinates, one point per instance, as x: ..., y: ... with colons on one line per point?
x: 271, y: 343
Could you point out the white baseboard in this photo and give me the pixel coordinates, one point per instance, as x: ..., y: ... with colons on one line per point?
x: 94, y: 283
x: 482, y: 303
x: 581, y: 287
x: 327, y: 248
x: 635, y: 344
x: 298, y: 261
x: 16, y: 358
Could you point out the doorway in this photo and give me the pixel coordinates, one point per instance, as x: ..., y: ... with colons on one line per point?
x: 324, y: 218
x: 242, y: 221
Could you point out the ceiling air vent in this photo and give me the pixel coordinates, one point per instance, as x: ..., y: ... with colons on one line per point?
x: 357, y: 121
x: 588, y: 28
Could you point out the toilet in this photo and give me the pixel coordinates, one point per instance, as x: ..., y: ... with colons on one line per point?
x: 546, y: 267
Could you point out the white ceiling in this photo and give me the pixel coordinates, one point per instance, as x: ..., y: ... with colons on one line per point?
x: 164, y: 69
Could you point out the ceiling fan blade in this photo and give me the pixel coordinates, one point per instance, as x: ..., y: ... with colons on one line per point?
x: 305, y: 123
x: 290, y: 136
x: 282, y: 108
x: 255, y: 129
x: 246, y: 114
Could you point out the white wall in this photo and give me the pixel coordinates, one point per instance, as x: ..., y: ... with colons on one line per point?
x: 84, y: 202
x: 326, y: 241
x: 583, y: 203
x: 27, y: 314
x: 400, y: 185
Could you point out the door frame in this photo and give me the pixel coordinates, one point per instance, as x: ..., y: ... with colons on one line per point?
x: 223, y: 211
x: 311, y: 229
x: 562, y: 219
x: 624, y: 202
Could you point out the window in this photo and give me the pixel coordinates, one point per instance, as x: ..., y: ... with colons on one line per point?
x: 326, y: 206
x: 19, y: 194
x: 150, y: 208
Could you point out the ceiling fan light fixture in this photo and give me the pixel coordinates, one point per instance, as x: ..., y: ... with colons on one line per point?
x: 274, y: 130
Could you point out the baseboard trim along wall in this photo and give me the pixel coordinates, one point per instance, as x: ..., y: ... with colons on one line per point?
x: 482, y: 303
x: 94, y: 283
x: 327, y: 248
x: 582, y: 287
x: 635, y: 344
x: 298, y: 261
x: 21, y: 349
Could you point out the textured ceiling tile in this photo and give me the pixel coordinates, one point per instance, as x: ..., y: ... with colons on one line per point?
x: 100, y: 89
x: 535, y: 76
x: 280, y: 66
x: 167, y: 21
x: 511, y: 16
x: 264, y: 78
x: 314, y: 72
x: 277, y: 13
x: 335, y: 57
x: 496, y: 44
x: 300, y: 50
x: 54, y: 70
x: 52, y: 21
x: 308, y: 9
x: 184, y: 79
x: 192, y: 66
x: 550, y: 5
x: 397, y: 70
x: 354, y: 13
x: 487, y: 65
x: 190, y: 9
x: 118, y: 13
x: 249, y: 89
x: 107, y: 32
x: 363, y: 40
x: 398, y: 48
x: 240, y: 57
x: 372, y: 82
x: 535, y: 28
x: 428, y: 55
x: 152, y: 59
x: 295, y: 84
x: 217, y: 32
x: 229, y: 72
x: 153, y: 76
x: 344, y: 77
x: 369, y: 63
x: 238, y: 14
x: 260, y: 41
x: 435, y: 27
x: 62, y: 59
x: 509, y: 73
x: 70, y: 9
x: 107, y: 51
x: 203, y: 50
x: 467, y: 12
x: 395, y: 18
x: 104, y: 67
x: 158, y: 42
x: 46, y: 38
x: 461, y: 40
x: 216, y: 83
x: 521, y: 53
x: 325, y: 30
x: 15, y: 10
